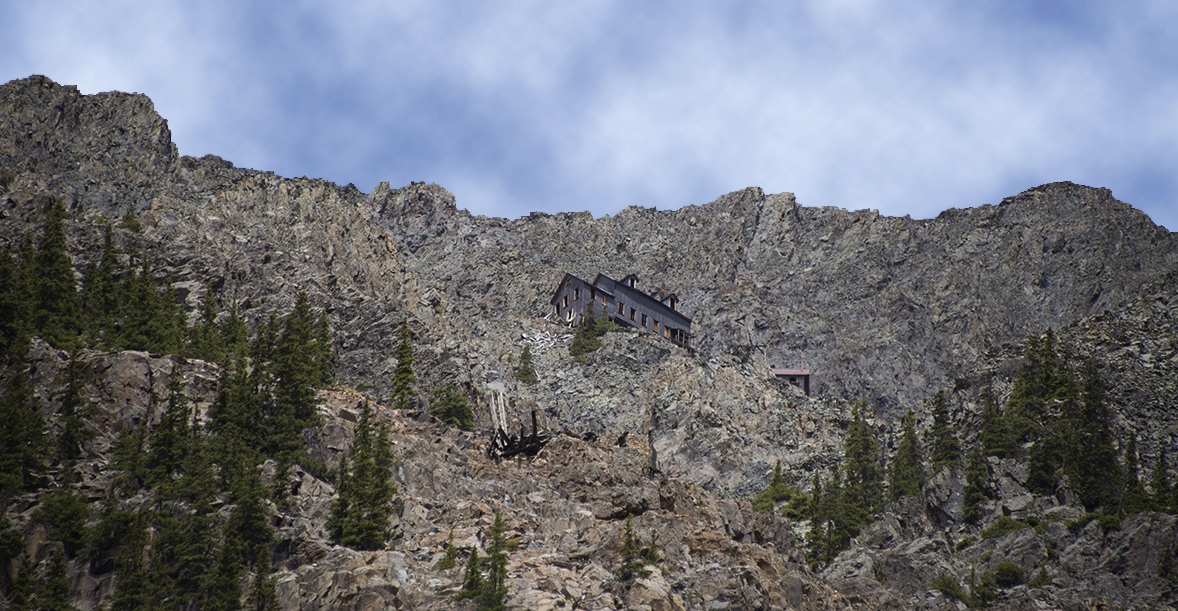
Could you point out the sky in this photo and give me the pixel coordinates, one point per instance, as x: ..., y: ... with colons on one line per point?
x: 907, y: 107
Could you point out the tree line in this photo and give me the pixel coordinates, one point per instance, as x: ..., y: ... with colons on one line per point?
x: 1057, y: 419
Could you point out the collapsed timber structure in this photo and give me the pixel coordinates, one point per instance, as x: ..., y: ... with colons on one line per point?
x: 504, y: 444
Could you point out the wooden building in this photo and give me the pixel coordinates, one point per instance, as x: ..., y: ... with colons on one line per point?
x: 623, y: 303
x: 797, y: 377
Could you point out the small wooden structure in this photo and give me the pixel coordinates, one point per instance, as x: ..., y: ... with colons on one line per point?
x: 797, y: 377
x: 624, y: 304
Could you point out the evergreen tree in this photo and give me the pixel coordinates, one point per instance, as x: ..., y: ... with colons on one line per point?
x: 134, y: 587
x: 526, y: 372
x: 1043, y: 464
x: 234, y: 334
x: 451, y: 407
x: 404, y: 380
x: 66, y: 514
x: 205, y: 340
x: 995, y: 436
x: 946, y: 449
x: 1035, y: 386
x: 1090, y: 461
x: 12, y: 323
x: 1134, y: 499
x: 977, y: 489
x: 102, y: 296
x: 56, y: 317
x: 779, y: 491
x: 485, y: 581
x: 1160, y: 488
x: 827, y: 522
x: 263, y: 591
x: 20, y: 594
x: 171, y: 439
x: 53, y: 592
x: 451, y: 558
x: 908, y: 465
x: 140, y: 308
x: 631, y: 549
x: 22, y: 435
x: 585, y: 337
x: 297, y: 370
x: 224, y: 585
x: 249, y: 524
x: 863, y: 478
x: 360, y: 516
x: 73, y: 428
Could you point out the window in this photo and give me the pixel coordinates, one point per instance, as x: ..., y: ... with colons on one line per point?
x: 568, y: 316
x: 666, y: 332
x: 576, y: 293
x: 603, y: 300
x: 566, y: 300
x: 621, y: 309
x: 655, y: 325
x: 644, y: 320
x: 592, y: 294
x: 632, y: 314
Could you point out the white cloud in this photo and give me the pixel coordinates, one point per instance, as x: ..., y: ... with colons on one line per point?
x: 905, y: 107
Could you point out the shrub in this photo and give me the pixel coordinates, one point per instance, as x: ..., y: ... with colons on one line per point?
x: 1002, y: 526
x: 964, y: 543
x: 1008, y: 574
x: 949, y: 587
x: 1040, y: 579
x: 451, y: 407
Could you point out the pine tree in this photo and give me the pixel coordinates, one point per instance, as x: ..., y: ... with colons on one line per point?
x: 224, y: 585
x: 73, y: 428
x: 12, y: 323
x: 1134, y: 499
x: 20, y: 594
x: 526, y: 372
x: 360, y: 516
x: 996, y: 437
x: 779, y: 491
x: 66, y: 514
x: 324, y: 352
x: 56, y: 317
x: 171, y: 439
x: 977, y: 489
x: 451, y: 407
x: 946, y: 449
x: 485, y: 581
x: 585, y: 337
x: 102, y: 296
x: 863, y: 479
x: 22, y: 436
x: 53, y: 592
x: 404, y: 380
x: 1090, y: 458
x: 297, y: 370
x: 1043, y: 464
x: 249, y: 523
x: 263, y: 591
x: 908, y: 465
x: 205, y: 340
x: 631, y: 549
x: 1159, y: 484
x: 1035, y: 385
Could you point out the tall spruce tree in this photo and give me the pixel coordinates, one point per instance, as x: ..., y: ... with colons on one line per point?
x: 1090, y: 456
x: 73, y: 428
x: 485, y: 580
x: 102, y: 296
x: 12, y: 324
x: 360, y: 515
x: 1134, y: 499
x: 56, y: 317
x: 1160, y: 488
x: 977, y: 489
x: 526, y: 372
x: 907, y: 474
x: 205, y: 340
x: 996, y: 436
x: 946, y: 449
x: 1035, y: 385
x: 22, y: 437
x: 404, y: 380
x: 863, y: 482
x: 297, y: 370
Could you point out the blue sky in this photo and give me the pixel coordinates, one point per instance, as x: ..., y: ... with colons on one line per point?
x: 905, y: 107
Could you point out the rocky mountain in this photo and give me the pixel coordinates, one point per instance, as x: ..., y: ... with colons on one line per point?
x: 885, y: 309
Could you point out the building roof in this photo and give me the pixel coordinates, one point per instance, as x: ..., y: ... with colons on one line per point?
x: 779, y: 372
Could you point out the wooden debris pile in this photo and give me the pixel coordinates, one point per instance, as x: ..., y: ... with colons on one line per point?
x: 504, y: 444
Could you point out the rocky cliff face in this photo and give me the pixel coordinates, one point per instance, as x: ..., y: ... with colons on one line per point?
x: 888, y: 309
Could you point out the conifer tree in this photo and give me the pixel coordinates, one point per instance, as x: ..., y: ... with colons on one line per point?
x: 12, y: 323
x: 404, y: 380
x: 20, y: 594
x: 360, y: 516
x: 263, y: 591
x: 53, y: 592
x: 1035, y: 385
x: 526, y: 372
x: 863, y: 478
x: 56, y: 316
x: 996, y: 437
x: 451, y: 407
x: 1090, y: 458
x: 1043, y: 464
x: 1134, y: 499
x: 585, y: 337
x: 73, y: 428
x: 65, y: 514
x: 796, y: 502
x: 171, y: 439
x: 485, y: 581
x: 977, y: 489
x: 22, y: 435
x: 133, y: 588
x: 249, y: 523
x: 205, y: 340
x: 297, y: 370
x: 224, y: 585
x: 907, y: 474
x: 946, y: 449
x: 1160, y: 488
x: 631, y: 549
x: 102, y: 296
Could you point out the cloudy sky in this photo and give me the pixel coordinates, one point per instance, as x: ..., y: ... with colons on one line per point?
x: 904, y: 106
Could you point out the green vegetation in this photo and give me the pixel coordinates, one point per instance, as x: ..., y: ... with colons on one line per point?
x: 586, y: 338
x: 1040, y: 579
x: 360, y: 515
x: 964, y: 543
x: 977, y: 489
x: 404, y: 379
x: 526, y: 372
x: 907, y: 473
x: 946, y: 448
x: 1008, y: 574
x: 65, y: 513
x: 795, y: 501
x: 1003, y: 526
x: 851, y: 497
x: 949, y: 587
x: 635, y: 556
x: 485, y: 579
x: 450, y: 560
x: 451, y: 407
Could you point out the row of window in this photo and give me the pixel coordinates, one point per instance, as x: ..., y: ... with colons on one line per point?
x: 622, y: 311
